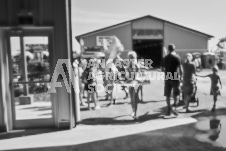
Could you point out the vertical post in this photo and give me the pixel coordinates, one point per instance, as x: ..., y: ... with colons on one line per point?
x: 70, y: 56
x: 24, y: 65
x: 77, y: 91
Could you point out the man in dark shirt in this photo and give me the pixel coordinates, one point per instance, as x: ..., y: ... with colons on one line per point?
x: 173, y: 71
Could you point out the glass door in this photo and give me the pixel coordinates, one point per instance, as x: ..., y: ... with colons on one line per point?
x: 30, y: 61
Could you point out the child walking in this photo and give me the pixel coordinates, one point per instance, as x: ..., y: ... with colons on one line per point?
x: 214, y: 90
x: 110, y: 77
x: 91, y: 85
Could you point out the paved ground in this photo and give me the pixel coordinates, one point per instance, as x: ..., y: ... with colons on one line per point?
x: 111, y: 128
x: 35, y: 110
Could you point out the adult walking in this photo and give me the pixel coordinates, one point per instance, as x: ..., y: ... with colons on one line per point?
x: 133, y: 69
x: 173, y: 72
x: 189, y: 80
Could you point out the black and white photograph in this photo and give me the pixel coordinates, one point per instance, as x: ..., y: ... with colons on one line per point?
x: 112, y: 75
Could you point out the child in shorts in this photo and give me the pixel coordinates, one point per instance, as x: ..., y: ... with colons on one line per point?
x: 214, y: 90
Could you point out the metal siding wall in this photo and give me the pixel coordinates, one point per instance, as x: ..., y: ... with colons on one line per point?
x: 147, y: 23
x: 123, y: 33
x: 184, y: 39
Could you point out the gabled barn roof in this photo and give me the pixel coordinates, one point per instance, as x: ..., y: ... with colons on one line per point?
x: 149, y: 16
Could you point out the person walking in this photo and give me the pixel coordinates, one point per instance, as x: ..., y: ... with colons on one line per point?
x: 189, y: 80
x: 121, y: 76
x: 132, y: 71
x: 172, y: 67
x: 215, y: 81
x: 90, y: 80
x: 81, y: 84
x: 110, y: 76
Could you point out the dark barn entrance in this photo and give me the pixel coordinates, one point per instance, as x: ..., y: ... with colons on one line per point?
x: 149, y: 49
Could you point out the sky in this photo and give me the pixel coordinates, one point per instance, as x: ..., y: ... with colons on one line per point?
x: 207, y: 16
x: 15, y: 42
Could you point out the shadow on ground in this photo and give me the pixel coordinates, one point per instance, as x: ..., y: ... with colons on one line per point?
x: 123, y: 119
x: 179, y: 138
x: 26, y: 132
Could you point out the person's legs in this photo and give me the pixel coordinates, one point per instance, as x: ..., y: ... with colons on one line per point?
x: 81, y: 100
x: 141, y: 93
x: 83, y: 93
x: 136, y: 99
x: 111, y: 99
x: 190, y: 90
x: 132, y: 97
x: 80, y: 95
x: 81, y: 87
x: 110, y: 94
x: 125, y: 89
x: 107, y: 95
x: 140, y: 90
x: 214, y: 102
x: 168, y: 105
x: 167, y: 93
x: 94, y: 97
x: 187, y: 101
x: 176, y: 92
x: 83, y: 90
x: 114, y: 90
x: 88, y: 99
x: 106, y: 87
x: 176, y: 98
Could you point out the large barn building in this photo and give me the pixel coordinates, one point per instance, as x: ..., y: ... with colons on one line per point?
x: 149, y: 35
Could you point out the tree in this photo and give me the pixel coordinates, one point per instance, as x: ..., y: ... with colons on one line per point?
x: 222, y: 43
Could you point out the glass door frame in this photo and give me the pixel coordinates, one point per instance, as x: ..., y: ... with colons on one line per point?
x: 26, y: 32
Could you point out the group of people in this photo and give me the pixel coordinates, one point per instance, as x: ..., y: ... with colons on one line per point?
x: 176, y: 72
x: 185, y: 73
x: 111, y: 76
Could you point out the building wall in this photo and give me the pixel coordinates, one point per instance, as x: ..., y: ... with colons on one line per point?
x: 184, y: 40
x: 123, y: 32
x: 43, y: 11
x: 147, y: 23
x: 47, y: 13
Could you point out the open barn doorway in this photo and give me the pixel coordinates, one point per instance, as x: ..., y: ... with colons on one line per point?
x: 149, y: 49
